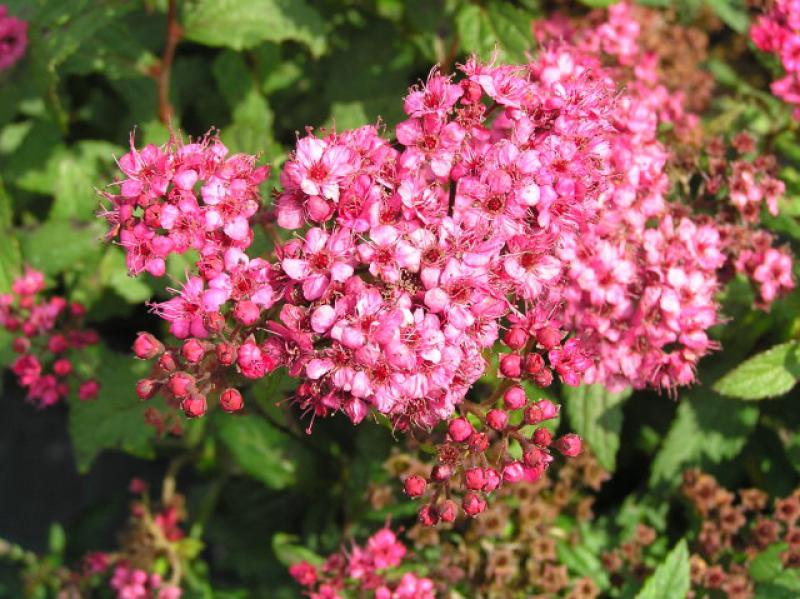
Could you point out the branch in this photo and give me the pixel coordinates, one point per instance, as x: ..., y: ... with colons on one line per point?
x: 165, y: 67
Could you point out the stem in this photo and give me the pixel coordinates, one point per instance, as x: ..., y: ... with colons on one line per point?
x: 452, y: 199
x: 165, y: 67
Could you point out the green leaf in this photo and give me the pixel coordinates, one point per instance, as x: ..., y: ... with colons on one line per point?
x: 583, y: 562
x: 772, y: 579
x: 114, y: 274
x: 707, y: 430
x: 596, y: 415
x: 115, y: 420
x: 495, y: 26
x: 289, y: 551
x: 259, y: 448
x: 10, y: 258
x: 731, y: 12
x: 57, y: 246
x: 768, y: 374
x: 671, y: 578
x: 241, y: 24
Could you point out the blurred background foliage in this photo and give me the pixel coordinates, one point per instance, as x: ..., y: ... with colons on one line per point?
x: 259, y: 488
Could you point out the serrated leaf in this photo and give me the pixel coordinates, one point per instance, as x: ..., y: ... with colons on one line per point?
x: 596, y: 415
x: 115, y: 419
x: 494, y: 26
x: 707, y: 429
x: 241, y: 24
x: 772, y: 579
x: 259, y: 448
x: 671, y: 578
x: 768, y: 374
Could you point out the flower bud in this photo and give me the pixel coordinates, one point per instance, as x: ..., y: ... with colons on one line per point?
x: 514, y: 398
x: 493, y: 480
x: 548, y: 337
x: 475, y: 479
x: 513, y: 472
x: 231, y: 400
x: 147, y: 347
x: 246, y: 312
x: 549, y: 409
x: 88, y: 390
x: 478, y: 442
x: 62, y: 367
x: 534, y: 364
x: 181, y: 384
x: 167, y: 362
x: 428, y: 515
x: 460, y: 429
x: 543, y: 378
x: 441, y: 472
x: 473, y: 504
x: 319, y: 210
x: 511, y: 366
x: 226, y: 353
x: 146, y: 388
x: 448, y: 510
x: 195, y: 405
x: 57, y: 344
x: 542, y: 437
x: 20, y: 345
x: 497, y: 419
x: 193, y: 350
x: 515, y: 338
x: 534, y: 457
x: 214, y: 322
x: 415, y: 485
x: 569, y: 445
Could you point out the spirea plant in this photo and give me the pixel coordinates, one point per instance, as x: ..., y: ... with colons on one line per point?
x: 405, y: 300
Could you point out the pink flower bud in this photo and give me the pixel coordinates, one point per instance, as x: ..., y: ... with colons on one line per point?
x: 493, y: 480
x: 497, y: 419
x: 319, y: 210
x: 415, y: 485
x: 534, y: 457
x: 441, y: 472
x: 548, y: 337
x: 448, y: 510
x: 231, y: 400
x: 304, y: 573
x: 181, y: 384
x: 428, y: 515
x: 226, y: 354
x: 533, y: 414
x: 57, y: 344
x: 534, y: 364
x: 20, y: 345
x: 214, y: 322
x: 145, y: 388
x: 569, y: 445
x: 167, y: 362
x: 513, y: 472
x: 475, y: 479
x: 516, y: 338
x: 511, y: 366
x: 549, y: 409
x: 514, y: 398
x: 193, y: 350
x: 147, y: 347
x: 460, y: 429
x: 478, y: 442
x: 246, y: 312
x: 543, y: 378
x: 542, y: 437
x: 473, y: 504
x: 88, y: 390
x: 195, y: 405
x: 62, y: 367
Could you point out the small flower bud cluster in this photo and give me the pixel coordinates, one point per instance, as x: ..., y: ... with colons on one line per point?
x: 778, y: 32
x: 134, y: 583
x: 13, y: 39
x: 48, y: 333
x: 464, y: 468
x: 372, y: 568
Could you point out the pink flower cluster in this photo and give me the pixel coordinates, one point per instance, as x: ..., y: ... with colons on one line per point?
x: 368, y: 569
x: 133, y: 583
x: 13, y: 38
x: 47, y: 330
x: 778, y: 32
x: 769, y: 268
